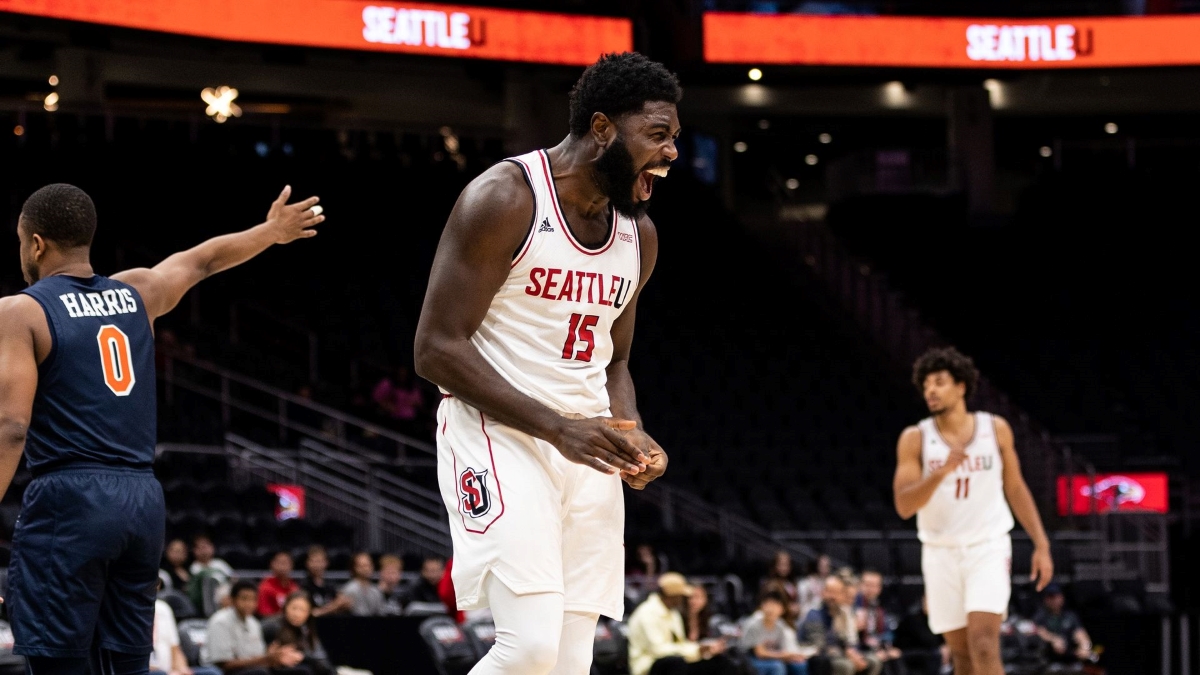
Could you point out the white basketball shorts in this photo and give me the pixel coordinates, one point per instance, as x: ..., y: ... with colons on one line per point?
x: 519, y: 510
x: 964, y: 579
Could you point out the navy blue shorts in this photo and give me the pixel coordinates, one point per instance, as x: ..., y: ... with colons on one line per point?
x: 85, y: 556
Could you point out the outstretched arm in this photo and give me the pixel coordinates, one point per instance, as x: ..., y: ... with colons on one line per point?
x: 163, y: 286
x: 489, y: 222
x: 18, y: 380
x: 621, y: 394
x: 1023, y: 506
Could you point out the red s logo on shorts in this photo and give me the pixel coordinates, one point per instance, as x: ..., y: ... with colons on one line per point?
x: 474, y: 498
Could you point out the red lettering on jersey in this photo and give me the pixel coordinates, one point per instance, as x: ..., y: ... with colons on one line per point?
x: 548, y: 291
x: 578, y: 285
x: 613, y: 287
x: 603, y: 301
x: 567, y: 286
x: 591, y: 282
x: 535, y: 282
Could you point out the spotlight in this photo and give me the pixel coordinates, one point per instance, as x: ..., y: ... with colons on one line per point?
x: 18, y: 130
x: 755, y: 74
x: 995, y: 91
x: 825, y: 139
x: 739, y: 147
x: 810, y: 160
x: 53, y: 80
x: 792, y: 183
x: 1110, y: 128
x: 51, y: 102
x: 764, y: 124
x: 1045, y: 151
x: 220, y: 103
x: 895, y: 95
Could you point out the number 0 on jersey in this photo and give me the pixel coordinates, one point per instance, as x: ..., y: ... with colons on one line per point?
x: 116, y: 360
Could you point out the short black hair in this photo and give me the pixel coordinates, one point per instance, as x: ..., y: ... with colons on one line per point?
x: 243, y: 585
x: 960, y: 366
x: 61, y: 213
x: 617, y: 84
x: 775, y: 596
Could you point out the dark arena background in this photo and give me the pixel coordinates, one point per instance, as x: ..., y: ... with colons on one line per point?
x: 858, y: 181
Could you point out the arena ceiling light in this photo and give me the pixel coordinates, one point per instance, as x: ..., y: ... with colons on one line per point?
x: 53, y: 80
x: 755, y: 74
x: 825, y: 139
x: 51, y: 102
x: 1110, y: 128
x: 220, y: 103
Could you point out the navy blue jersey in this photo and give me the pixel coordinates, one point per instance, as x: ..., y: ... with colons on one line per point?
x: 95, y: 396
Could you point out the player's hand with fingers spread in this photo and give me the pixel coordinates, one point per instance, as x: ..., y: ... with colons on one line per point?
x: 598, y: 442
x: 289, y: 222
x: 654, y: 468
x: 1042, y: 566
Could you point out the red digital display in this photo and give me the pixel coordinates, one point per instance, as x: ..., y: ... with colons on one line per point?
x: 949, y: 42
x: 289, y: 500
x: 1133, y: 492
x: 408, y: 27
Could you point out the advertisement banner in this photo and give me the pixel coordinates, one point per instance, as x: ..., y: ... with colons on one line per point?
x: 1138, y: 492
x: 289, y: 500
x: 406, y: 27
x: 935, y: 42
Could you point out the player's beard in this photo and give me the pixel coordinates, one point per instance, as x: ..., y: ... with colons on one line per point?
x: 617, y: 177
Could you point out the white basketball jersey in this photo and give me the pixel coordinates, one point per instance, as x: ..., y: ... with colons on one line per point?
x: 969, y: 505
x: 548, y: 331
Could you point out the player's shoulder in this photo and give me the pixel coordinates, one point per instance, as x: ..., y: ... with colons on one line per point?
x: 501, y: 181
x: 647, y: 232
x: 20, y: 314
x: 911, y: 434
x: 501, y: 193
x: 1001, y: 426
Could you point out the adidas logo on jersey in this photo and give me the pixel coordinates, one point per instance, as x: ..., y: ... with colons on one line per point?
x: 545, y: 226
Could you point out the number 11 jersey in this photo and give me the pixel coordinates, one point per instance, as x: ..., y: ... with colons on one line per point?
x: 95, y: 399
x: 969, y: 506
x: 548, y: 330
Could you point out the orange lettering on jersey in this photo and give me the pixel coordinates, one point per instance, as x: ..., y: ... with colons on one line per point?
x: 116, y: 361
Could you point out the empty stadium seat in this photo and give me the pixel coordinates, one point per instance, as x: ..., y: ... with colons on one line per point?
x: 449, y: 647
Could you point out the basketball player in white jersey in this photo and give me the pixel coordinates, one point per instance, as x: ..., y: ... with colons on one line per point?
x: 958, y: 472
x: 526, y: 327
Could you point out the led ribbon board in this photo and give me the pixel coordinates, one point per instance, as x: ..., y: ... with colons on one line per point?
x: 929, y: 42
x: 412, y: 28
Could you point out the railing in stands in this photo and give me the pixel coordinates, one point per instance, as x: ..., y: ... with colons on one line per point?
x: 388, y: 514
x: 741, y: 536
x: 292, y: 415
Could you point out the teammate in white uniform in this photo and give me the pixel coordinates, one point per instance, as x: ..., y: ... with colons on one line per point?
x: 526, y: 327
x: 959, y: 473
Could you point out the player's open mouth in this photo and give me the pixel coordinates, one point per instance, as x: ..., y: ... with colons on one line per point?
x: 645, y: 183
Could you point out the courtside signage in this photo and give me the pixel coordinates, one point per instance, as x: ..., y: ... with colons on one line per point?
x: 414, y: 28
x: 930, y: 42
x: 1133, y: 492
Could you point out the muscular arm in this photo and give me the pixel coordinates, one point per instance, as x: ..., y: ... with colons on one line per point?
x: 163, y: 286
x: 18, y: 379
x: 912, y: 490
x: 489, y: 222
x: 1022, y: 504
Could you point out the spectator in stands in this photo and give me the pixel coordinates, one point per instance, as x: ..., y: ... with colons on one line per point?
x: 827, y: 627
x: 770, y: 642
x: 425, y: 589
x: 924, y: 652
x: 364, y: 598
x: 394, y: 597
x: 207, y: 573
x: 781, y: 580
x: 325, y: 598
x: 175, y: 565
x: 235, y: 638
x: 811, y: 588
x: 643, y: 562
x: 167, y: 657
x: 296, y: 627
x: 401, y: 400
x: 658, y: 643
x: 699, y: 614
x: 874, y: 630
x: 275, y: 589
x: 204, y: 561
x: 1061, y: 629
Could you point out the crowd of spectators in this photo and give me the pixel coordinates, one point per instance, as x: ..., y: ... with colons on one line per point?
x: 267, y: 627
x: 828, y: 622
